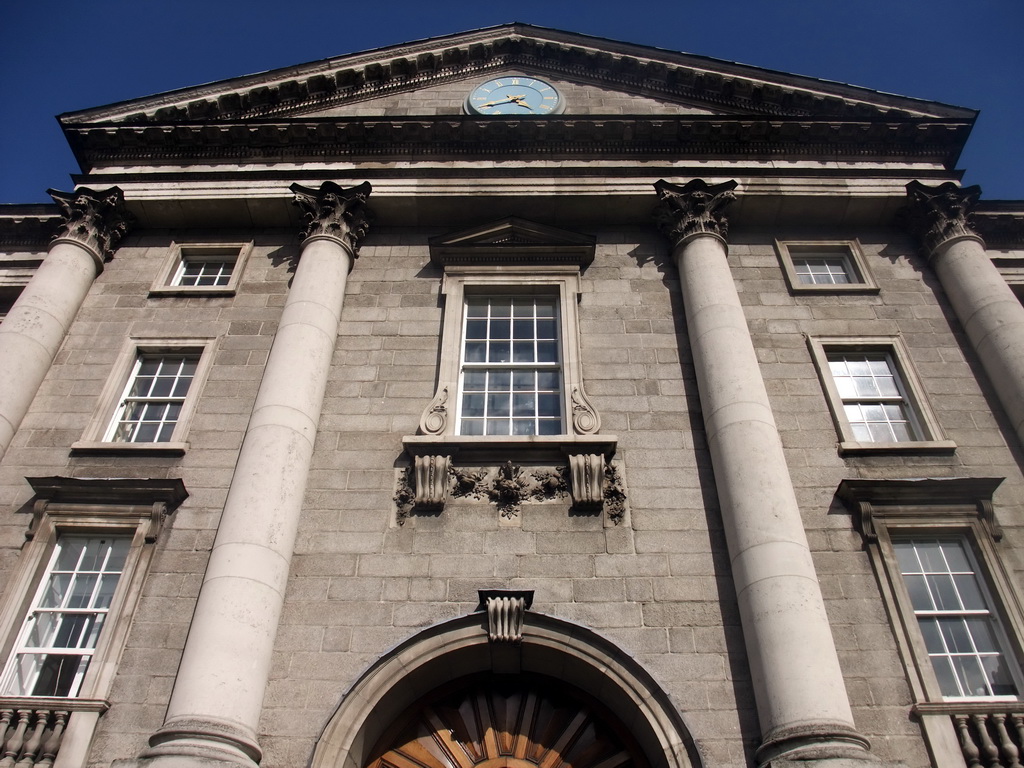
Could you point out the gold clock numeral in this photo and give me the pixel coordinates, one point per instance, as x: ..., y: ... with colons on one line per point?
x: 515, y: 81
x: 498, y: 84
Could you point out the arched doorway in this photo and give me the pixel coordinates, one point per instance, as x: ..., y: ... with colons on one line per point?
x: 579, y: 679
x: 507, y: 721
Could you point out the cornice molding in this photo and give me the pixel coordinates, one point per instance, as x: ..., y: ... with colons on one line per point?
x: 29, y: 230
x: 555, y: 136
x: 639, y: 69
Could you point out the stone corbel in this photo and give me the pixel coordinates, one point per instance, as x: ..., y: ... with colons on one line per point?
x: 434, y: 420
x: 431, y: 476
x: 586, y: 481
x: 585, y: 419
x: 506, y: 613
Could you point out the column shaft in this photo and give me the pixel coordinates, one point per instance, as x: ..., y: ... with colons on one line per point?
x: 798, y: 684
x: 39, y: 320
x: 32, y: 332
x: 214, y: 711
x: 801, y: 699
x: 991, y: 315
x: 218, y: 694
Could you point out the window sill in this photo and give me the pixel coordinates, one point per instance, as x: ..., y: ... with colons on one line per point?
x: 65, y: 703
x: 910, y: 448
x: 832, y: 289
x: 185, y: 290
x: 967, y: 706
x: 95, y: 448
x: 502, y: 448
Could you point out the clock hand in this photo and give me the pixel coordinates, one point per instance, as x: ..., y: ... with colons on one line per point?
x: 503, y: 101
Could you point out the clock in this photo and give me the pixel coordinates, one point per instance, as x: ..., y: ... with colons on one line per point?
x: 514, y: 95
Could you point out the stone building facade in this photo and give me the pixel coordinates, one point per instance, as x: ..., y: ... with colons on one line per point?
x: 613, y: 407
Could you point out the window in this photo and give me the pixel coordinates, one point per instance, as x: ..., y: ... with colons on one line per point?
x: 154, y: 398
x: 59, y: 636
x: 934, y: 544
x: 874, y: 402
x: 148, y: 402
x: 876, y: 399
x: 825, y: 267
x: 67, y: 607
x: 511, y: 378
x: 954, y: 615
x: 206, y: 268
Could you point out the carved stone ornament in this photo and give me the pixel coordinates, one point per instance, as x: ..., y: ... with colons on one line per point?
x: 693, y: 209
x: 95, y: 219
x: 585, y: 420
x: 334, y: 212
x: 431, y: 473
x: 435, y: 418
x: 506, y: 612
x: 938, y: 214
x: 586, y: 471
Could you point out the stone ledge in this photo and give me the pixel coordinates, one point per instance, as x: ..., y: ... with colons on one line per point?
x: 490, y: 449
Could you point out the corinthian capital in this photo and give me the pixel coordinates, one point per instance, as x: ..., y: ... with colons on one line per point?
x: 96, y: 219
x: 334, y: 212
x: 939, y: 214
x: 694, y: 208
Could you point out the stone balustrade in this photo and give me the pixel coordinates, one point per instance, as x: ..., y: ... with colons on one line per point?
x: 992, y: 737
x: 32, y: 730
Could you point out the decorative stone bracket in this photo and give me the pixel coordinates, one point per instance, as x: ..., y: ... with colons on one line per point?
x: 506, y: 613
x: 492, y: 469
x: 587, y: 475
x: 431, y: 475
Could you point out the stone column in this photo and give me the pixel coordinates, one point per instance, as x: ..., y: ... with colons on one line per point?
x: 801, y: 700
x: 40, y: 318
x: 989, y: 311
x: 214, y: 712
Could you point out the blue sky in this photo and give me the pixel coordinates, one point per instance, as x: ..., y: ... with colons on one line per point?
x: 68, y: 55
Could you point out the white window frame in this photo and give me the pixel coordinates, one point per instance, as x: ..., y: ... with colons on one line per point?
x: 167, y: 281
x: 61, y: 613
x: 509, y: 366
x: 69, y: 507
x: 99, y: 433
x: 928, y: 434
x: 558, y: 282
x: 850, y: 251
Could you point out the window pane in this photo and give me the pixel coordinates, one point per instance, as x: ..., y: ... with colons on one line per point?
x: 472, y: 405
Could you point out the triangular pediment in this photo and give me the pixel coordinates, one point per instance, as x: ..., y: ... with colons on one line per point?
x: 390, y: 78
x: 511, y: 241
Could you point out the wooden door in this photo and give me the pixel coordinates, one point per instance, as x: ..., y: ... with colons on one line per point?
x: 513, y: 722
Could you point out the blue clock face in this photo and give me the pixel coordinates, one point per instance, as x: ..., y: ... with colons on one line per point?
x: 514, y: 95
